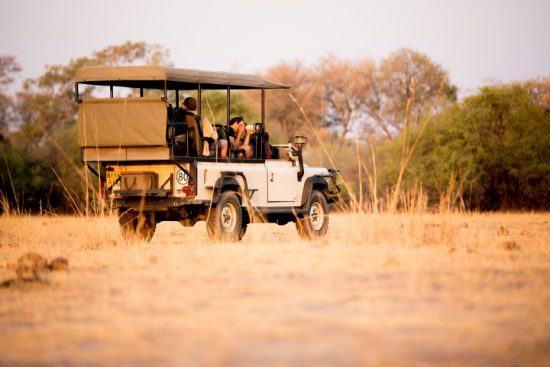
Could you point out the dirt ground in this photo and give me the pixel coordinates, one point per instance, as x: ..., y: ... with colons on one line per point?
x: 380, y: 290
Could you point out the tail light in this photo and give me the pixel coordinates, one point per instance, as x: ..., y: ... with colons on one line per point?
x: 189, y: 190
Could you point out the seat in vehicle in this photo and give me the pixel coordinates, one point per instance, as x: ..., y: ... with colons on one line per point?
x: 178, y: 131
x: 261, y: 148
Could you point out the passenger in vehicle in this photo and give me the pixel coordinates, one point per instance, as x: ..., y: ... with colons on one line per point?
x: 203, y: 133
x: 239, y: 138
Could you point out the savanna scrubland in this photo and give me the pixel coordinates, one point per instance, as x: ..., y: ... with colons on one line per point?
x: 407, y: 289
x: 435, y: 258
x: 395, y: 128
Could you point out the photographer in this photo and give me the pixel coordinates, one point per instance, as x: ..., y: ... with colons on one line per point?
x: 239, y: 137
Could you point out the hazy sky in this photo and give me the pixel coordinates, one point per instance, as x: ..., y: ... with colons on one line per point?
x: 476, y: 41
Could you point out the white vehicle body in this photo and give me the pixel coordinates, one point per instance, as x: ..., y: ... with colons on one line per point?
x: 272, y: 183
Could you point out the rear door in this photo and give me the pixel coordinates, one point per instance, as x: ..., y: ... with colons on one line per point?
x: 282, y: 179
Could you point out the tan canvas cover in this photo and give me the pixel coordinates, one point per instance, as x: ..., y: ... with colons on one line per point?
x: 120, y: 75
x: 122, y: 122
x: 99, y: 73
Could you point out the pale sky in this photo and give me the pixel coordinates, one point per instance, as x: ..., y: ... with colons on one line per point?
x: 478, y: 42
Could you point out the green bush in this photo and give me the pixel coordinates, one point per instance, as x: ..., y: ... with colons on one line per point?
x: 495, y: 146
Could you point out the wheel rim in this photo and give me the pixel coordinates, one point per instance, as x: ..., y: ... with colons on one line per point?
x: 316, y: 216
x: 228, y: 218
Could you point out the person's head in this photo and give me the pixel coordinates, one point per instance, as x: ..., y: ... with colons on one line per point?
x: 235, y: 122
x: 190, y: 103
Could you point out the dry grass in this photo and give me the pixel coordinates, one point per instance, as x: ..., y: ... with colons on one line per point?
x: 381, y: 289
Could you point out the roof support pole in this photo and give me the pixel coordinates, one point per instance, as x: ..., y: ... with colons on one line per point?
x: 141, y: 92
x: 111, y: 90
x: 165, y: 92
x: 228, y: 103
x: 199, y: 100
x: 76, y: 96
x: 263, y: 109
x: 177, y: 98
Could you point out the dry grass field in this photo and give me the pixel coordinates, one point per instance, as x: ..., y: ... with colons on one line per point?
x: 457, y: 289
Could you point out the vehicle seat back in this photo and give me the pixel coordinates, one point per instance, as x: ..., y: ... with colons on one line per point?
x: 223, y: 132
x: 195, y: 133
x: 260, y: 145
x: 180, y: 131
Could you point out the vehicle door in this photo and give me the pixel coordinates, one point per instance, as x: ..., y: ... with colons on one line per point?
x: 282, y: 180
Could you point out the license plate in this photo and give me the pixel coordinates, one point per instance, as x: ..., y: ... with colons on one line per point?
x: 111, y: 178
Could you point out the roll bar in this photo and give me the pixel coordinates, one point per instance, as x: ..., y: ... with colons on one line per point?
x: 199, y: 97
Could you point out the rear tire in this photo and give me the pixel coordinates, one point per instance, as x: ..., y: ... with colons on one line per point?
x: 314, y: 223
x: 134, y: 225
x: 225, y: 221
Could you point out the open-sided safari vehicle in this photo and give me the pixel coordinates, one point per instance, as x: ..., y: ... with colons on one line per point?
x: 151, y: 166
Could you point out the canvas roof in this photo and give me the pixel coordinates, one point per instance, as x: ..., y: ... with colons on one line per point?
x: 153, y: 77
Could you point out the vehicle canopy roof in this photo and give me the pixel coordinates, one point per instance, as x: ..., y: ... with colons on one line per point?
x: 155, y: 77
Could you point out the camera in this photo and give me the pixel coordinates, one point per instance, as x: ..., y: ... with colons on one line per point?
x: 253, y: 128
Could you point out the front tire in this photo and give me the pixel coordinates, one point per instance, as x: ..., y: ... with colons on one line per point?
x: 314, y: 223
x: 225, y: 221
x: 137, y: 225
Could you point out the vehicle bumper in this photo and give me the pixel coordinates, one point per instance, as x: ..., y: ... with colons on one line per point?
x: 152, y: 203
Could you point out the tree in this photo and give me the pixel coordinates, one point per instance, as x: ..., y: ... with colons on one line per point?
x: 407, y: 77
x: 346, y: 85
x: 363, y: 97
x: 8, y: 67
x: 306, y: 88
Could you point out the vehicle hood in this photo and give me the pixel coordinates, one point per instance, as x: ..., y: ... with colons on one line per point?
x: 316, y: 170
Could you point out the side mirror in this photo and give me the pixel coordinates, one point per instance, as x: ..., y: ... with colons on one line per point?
x: 299, y: 141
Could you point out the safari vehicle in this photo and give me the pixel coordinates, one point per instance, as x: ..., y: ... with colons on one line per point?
x: 150, y: 165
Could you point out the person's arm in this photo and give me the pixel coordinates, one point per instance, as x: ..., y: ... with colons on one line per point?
x: 233, y: 142
x: 240, y: 131
x: 247, y: 139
